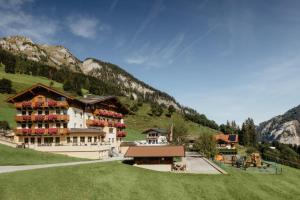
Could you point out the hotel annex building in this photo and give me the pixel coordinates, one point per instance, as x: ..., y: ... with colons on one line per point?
x: 52, y: 121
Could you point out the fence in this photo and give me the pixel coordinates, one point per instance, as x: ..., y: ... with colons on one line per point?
x: 273, y: 158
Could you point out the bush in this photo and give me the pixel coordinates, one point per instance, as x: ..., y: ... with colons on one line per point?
x: 251, y: 150
x: 206, y: 144
x: 5, y: 86
x: 4, y: 125
x: 156, y: 109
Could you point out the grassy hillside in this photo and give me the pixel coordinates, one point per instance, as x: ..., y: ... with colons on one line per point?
x: 119, y: 181
x: 13, y: 156
x: 135, y: 123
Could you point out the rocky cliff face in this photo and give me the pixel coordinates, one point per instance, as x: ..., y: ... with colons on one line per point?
x: 284, y: 128
x: 58, y: 56
x: 52, y: 55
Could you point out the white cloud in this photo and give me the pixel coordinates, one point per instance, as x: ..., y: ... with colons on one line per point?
x: 87, y: 27
x: 15, y: 21
x: 13, y: 4
x: 158, y: 55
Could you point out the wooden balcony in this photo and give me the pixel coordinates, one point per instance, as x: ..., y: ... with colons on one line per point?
x: 50, y: 117
x: 107, y: 113
x: 96, y: 122
x: 42, y: 131
x: 41, y: 104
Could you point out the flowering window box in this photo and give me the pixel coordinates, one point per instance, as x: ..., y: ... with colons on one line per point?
x: 52, y: 103
x: 26, y: 131
x: 52, y: 117
x: 39, y: 131
x: 39, y: 117
x: 26, y: 104
x: 120, y: 125
x: 53, y: 130
x: 26, y: 117
x: 121, y: 134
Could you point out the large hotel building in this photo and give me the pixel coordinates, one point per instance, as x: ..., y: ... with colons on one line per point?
x: 49, y: 120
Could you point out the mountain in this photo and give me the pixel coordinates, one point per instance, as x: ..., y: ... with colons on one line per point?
x: 283, y: 128
x: 59, y: 57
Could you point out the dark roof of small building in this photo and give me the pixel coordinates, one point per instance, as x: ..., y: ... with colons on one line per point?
x: 127, y: 144
x: 158, y: 130
x: 155, y: 151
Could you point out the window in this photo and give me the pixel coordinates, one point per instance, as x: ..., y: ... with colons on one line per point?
x: 57, y: 125
x: 32, y: 140
x: 46, y: 125
x: 89, y: 139
x: 95, y: 139
x: 112, y: 140
x: 57, y: 140
x: 81, y: 115
x: 65, y: 125
x: 75, y: 113
x: 39, y: 140
x: 29, y: 112
x: 46, y: 112
x: 74, y: 139
x: 40, y: 112
x: 82, y: 139
x: 74, y: 125
x: 111, y: 130
x: 65, y: 112
x: 40, y: 125
x: 29, y: 125
x: 57, y: 111
x: 23, y: 125
x: 26, y: 140
x: 68, y: 140
x: 23, y: 112
x: 80, y: 125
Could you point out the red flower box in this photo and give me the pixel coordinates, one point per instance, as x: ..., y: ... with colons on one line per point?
x: 121, y: 134
x: 120, y: 125
x: 39, y: 117
x: 52, y: 117
x: 26, y: 104
x: 26, y: 130
x: 26, y: 117
x: 53, y: 130
x: 39, y: 131
x: 52, y: 103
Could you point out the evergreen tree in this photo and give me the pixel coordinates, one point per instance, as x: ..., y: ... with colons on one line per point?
x: 156, y: 109
x: 171, y: 109
x: 5, y: 86
x: 248, y: 133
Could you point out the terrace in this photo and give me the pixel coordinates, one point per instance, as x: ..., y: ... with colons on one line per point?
x: 41, y: 104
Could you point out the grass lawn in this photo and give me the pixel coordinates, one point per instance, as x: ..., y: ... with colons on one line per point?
x: 119, y: 181
x: 13, y: 156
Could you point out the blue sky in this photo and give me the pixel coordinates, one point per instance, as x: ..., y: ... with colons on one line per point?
x: 227, y: 59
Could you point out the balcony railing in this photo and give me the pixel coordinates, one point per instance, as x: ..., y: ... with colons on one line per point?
x: 103, y: 123
x: 42, y: 131
x: 107, y: 113
x: 50, y: 117
x: 41, y: 104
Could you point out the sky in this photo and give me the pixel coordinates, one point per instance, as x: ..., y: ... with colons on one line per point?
x: 228, y: 59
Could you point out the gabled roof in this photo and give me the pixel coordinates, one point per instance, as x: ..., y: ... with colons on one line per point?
x: 38, y: 85
x: 158, y: 130
x: 155, y: 151
x: 227, y: 138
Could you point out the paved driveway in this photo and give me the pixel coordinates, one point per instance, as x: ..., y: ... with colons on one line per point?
x: 200, y: 165
x: 6, y: 169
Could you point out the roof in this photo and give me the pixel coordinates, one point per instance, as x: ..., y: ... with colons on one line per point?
x: 158, y: 130
x: 84, y: 100
x: 155, y: 151
x: 227, y: 138
x: 39, y: 85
